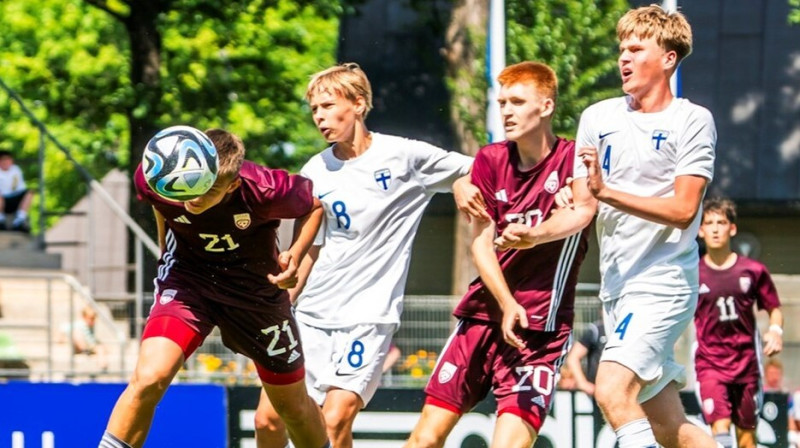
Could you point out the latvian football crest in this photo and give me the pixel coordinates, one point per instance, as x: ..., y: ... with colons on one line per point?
x: 446, y: 372
x: 744, y: 283
x: 551, y: 184
x: 242, y: 220
x: 383, y: 178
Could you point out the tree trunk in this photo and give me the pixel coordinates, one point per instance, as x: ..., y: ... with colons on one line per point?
x: 464, y: 48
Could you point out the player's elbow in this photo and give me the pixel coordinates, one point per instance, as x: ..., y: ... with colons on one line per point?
x: 685, y: 219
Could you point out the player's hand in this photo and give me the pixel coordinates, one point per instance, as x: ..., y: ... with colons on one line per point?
x: 287, y: 278
x: 773, y: 343
x: 595, y: 178
x: 515, y: 236
x: 564, y: 197
x: 469, y: 200
x: 513, y: 315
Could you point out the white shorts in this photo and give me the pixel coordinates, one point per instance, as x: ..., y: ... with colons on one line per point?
x: 642, y: 330
x: 346, y: 358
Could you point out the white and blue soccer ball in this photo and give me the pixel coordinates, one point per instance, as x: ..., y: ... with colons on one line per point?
x: 180, y: 163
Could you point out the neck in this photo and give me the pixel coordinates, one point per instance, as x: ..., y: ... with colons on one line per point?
x: 653, y: 100
x: 720, y: 258
x: 534, y: 148
x: 352, y: 148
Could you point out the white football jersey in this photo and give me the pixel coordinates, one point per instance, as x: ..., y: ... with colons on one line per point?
x: 373, y: 205
x: 11, y: 181
x: 642, y: 154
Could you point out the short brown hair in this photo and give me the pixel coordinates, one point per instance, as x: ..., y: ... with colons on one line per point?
x: 347, y: 80
x: 722, y: 206
x: 670, y: 29
x: 230, y: 149
x: 541, y: 75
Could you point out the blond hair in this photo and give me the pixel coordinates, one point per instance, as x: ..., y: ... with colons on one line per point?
x: 230, y: 149
x: 347, y: 80
x: 671, y: 30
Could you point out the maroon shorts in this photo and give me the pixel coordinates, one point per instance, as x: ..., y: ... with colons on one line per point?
x: 739, y: 402
x: 477, y: 359
x: 269, y: 337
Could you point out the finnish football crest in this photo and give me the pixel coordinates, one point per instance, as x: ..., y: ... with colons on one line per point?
x: 383, y: 178
x: 659, y: 139
x: 167, y: 296
x: 446, y: 372
x: 744, y: 283
x: 551, y: 184
x: 242, y: 220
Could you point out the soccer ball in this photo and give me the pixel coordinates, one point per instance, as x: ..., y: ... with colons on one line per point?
x: 180, y: 163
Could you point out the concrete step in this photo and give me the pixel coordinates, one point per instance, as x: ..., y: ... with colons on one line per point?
x: 20, y: 250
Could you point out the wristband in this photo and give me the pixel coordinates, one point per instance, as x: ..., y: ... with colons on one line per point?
x: 775, y: 328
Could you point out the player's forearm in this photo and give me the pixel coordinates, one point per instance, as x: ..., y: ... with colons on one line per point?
x: 303, y: 271
x: 488, y: 266
x: 672, y: 211
x: 563, y: 223
x: 776, y: 318
x: 305, y: 230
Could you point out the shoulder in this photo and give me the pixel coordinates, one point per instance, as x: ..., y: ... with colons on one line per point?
x: 318, y: 161
x: 752, y: 265
x: 694, y: 111
x: 494, y: 151
x: 605, y: 106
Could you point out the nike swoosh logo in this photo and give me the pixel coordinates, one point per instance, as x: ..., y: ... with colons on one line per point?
x: 602, y: 136
x: 325, y: 194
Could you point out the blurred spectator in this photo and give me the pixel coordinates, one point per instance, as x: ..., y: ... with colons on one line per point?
x: 15, y: 198
x: 773, y: 376
x: 392, y: 357
x: 84, y: 341
x: 589, y: 347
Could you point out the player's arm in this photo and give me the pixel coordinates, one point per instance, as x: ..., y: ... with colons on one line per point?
x: 469, y: 199
x: 574, y: 357
x: 561, y: 224
x: 676, y: 211
x: 492, y: 276
x: 305, y: 230
x: 303, y: 271
x: 161, y: 226
x: 773, y: 338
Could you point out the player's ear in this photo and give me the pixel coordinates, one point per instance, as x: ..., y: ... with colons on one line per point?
x: 670, y: 60
x: 361, y: 106
x: 733, y: 230
x: 234, y: 184
x: 548, y: 107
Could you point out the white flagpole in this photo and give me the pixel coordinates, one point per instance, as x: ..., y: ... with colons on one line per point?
x: 496, y: 61
x: 675, y: 81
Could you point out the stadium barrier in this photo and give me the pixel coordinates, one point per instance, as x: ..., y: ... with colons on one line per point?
x: 60, y: 415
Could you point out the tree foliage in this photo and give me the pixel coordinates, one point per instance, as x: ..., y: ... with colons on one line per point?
x: 242, y: 65
x: 794, y: 14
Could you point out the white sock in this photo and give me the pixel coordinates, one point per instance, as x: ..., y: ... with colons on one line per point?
x: 110, y: 441
x: 636, y: 434
x: 725, y: 440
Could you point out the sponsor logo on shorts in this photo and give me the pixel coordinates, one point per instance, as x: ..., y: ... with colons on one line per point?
x: 446, y: 372
x: 708, y: 405
x: 293, y: 357
x: 242, y: 220
x: 551, y: 184
x: 744, y: 283
x: 167, y: 296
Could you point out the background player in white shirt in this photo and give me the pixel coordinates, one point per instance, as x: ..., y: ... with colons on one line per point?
x: 374, y: 189
x: 647, y: 158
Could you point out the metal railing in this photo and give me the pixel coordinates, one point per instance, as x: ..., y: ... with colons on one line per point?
x: 62, y: 295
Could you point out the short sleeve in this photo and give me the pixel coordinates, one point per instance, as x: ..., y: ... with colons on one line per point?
x: 767, y: 293
x: 484, y: 177
x: 696, y: 145
x: 436, y: 168
x: 586, y: 137
x: 286, y: 196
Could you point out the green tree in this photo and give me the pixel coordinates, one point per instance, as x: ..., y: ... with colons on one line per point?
x: 104, y: 75
x: 794, y: 14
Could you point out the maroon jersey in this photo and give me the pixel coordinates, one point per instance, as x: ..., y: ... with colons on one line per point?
x: 229, y: 249
x: 542, y: 279
x: 727, y: 339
